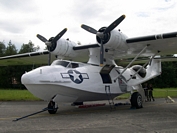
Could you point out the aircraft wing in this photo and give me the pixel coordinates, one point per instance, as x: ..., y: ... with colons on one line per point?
x: 166, y: 43
x: 142, y: 60
x: 27, y: 58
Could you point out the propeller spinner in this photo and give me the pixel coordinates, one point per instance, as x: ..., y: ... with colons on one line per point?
x: 102, y: 34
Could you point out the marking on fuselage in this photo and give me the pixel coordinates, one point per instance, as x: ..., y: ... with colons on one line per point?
x: 75, y: 76
x: 55, y: 81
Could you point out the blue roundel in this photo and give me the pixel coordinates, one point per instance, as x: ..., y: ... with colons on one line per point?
x: 75, y: 76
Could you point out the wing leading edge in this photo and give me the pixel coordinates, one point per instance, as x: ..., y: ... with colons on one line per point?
x: 26, y: 58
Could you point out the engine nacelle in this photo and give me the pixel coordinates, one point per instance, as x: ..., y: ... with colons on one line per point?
x: 113, y: 40
x: 62, y: 48
x: 142, y: 72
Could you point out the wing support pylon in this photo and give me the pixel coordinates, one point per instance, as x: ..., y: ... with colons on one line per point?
x: 143, y: 66
x: 132, y: 61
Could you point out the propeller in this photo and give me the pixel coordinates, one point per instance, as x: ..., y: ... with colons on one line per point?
x: 103, y: 33
x: 52, y: 42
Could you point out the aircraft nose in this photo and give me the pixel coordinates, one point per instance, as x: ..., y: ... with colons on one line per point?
x: 26, y: 78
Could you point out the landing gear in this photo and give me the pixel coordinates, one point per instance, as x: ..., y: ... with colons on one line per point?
x: 136, y: 100
x: 52, y: 107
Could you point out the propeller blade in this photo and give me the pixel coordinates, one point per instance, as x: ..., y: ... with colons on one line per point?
x: 101, y: 54
x: 57, y: 37
x: 43, y: 39
x: 49, y: 59
x: 114, y: 24
x: 89, y: 29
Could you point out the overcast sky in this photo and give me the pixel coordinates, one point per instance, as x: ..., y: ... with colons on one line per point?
x: 21, y: 20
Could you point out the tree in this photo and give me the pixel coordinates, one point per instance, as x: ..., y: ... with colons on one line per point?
x: 9, y: 73
x: 168, y: 78
x: 25, y: 48
x: 10, y: 49
x: 2, y: 48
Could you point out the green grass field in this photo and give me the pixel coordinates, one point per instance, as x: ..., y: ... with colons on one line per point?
x: 157, y: 93
x: 16, y: 95
x: 25, y: 95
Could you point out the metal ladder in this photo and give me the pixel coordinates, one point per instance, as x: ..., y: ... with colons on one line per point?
x: 110, y: 99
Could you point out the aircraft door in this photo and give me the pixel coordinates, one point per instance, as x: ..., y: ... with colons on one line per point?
x: 105, y: 71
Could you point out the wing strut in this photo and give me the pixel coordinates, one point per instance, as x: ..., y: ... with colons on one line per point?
x: 152, y: 57
x: 132, y: 61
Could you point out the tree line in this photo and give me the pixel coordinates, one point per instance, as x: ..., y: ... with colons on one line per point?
x: 168, y: 77
x: 10, y: 76
x: 11, y: 49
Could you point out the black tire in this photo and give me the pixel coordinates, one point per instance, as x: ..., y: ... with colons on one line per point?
x: 136, y: 100
x: 52, y: 108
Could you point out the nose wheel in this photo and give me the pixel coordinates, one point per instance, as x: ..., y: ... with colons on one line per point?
x: 52, y: 107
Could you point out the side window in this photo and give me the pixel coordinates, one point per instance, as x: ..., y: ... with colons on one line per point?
x: 61, y: 63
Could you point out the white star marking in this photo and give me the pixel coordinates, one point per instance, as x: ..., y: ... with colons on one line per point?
x: 75, y: 75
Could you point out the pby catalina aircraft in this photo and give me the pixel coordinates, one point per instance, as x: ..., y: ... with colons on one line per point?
x: 67, y: 80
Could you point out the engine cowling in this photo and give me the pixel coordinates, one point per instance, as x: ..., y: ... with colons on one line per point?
x: 113, y: 40
x: 63, y: 48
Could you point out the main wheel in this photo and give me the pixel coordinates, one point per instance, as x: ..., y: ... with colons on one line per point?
x: 136, y: 100
x: 52, y: 108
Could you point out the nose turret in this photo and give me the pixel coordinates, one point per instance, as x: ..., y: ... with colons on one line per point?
x: 31, y: 77
x: 34, y: 76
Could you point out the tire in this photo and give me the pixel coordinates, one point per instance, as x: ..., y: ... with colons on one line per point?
x: 136, y: 100
x: 52, y: 108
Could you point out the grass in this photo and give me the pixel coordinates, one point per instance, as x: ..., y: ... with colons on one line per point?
x: 16, y: 95
x: 25, y: 95
x: 157, y: 93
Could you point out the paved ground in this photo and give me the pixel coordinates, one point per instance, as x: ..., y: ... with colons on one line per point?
x: 155, y: 117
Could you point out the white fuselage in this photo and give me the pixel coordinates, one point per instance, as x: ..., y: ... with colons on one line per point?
x: 67, y: 81
x: 68, y: 84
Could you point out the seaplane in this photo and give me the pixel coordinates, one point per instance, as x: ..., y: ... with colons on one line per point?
x: 89, y: 72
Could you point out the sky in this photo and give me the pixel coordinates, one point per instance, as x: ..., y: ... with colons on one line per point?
x: 21, y: 20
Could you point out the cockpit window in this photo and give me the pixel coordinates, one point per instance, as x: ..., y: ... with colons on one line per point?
x: 59, y: 62
x: 74, y: 65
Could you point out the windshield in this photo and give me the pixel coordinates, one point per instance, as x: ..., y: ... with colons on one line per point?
x: 59, y: 62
